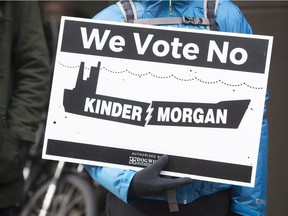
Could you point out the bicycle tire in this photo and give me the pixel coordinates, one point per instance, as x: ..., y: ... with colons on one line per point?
x: 74, y: 196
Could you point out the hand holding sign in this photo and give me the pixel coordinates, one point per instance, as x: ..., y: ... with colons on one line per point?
x: 147, y: 182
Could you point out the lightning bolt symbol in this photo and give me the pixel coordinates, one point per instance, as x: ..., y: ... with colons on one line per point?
x: 149, y: 114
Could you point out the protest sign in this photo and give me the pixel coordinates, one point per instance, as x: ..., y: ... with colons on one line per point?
x: 125, y: 94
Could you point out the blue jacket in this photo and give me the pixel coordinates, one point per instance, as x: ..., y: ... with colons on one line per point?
x: 245, y: 201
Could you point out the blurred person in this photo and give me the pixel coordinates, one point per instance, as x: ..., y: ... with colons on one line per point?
x: 24, y: 84
x: 52, y: 11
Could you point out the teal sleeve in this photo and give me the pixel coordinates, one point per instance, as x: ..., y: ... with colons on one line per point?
x: 117, y: 181
x: 229, y: 18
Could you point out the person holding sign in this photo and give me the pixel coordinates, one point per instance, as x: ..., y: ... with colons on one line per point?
x: 146, y: 192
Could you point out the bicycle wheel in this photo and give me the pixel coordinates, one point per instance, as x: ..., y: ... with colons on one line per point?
x: 74, y: 196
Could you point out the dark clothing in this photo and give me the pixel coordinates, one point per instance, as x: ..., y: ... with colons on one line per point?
x: 24, y: 82
x: 217, y: 204
x: 8, y: 211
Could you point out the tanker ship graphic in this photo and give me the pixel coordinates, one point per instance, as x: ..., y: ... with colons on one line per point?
x: 84, y: 100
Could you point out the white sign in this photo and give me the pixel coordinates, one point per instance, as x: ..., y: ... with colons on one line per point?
x: 125, y: 94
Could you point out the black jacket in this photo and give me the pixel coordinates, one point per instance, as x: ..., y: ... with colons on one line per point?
x: 24, y: 83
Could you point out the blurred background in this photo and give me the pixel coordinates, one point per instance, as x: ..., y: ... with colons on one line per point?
x: 266, y: 18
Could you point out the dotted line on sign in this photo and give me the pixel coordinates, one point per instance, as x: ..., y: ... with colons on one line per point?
x: 170, y: 76
x: 184, y: 80
x: 238, y: 85
x: 72, y: 67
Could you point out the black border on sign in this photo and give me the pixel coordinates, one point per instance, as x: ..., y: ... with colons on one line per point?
x: 191, y: 166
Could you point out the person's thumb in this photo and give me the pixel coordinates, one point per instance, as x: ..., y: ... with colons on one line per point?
x: 156, y: 167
